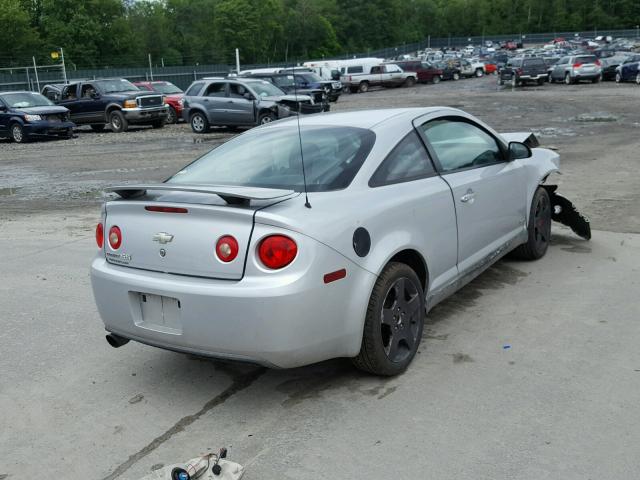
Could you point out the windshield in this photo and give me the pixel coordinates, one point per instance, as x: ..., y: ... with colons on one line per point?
x: 166, y: 88
x: 26, y: 100
x: 332, y: 157
x: 284, y: 81
x: 266, y: 89
x: 311, y: 77
x: 118, y: 85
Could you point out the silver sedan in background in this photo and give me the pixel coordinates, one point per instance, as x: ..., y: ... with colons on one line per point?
x: 325, y: 236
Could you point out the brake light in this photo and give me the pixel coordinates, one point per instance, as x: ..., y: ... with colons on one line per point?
x: 100, y: 235
x: 154, y: 208
x: 277, y: 251
x: 115, y: 237
x: 227, y: 248
x: 577, y: 65
x: 598, y: 63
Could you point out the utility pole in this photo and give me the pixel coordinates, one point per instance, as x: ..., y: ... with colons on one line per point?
x: 150, y: 69
x: 64, y: 69
x: 237, y: 61
x: 35, y: 69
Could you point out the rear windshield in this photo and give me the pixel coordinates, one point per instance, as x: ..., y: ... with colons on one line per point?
x: 534, y: 61
x: 270, y: 158
x: 166, y: 88
x: 587, y: 59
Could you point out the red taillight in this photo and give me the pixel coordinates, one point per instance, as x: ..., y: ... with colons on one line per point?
x: 598, y: 63
x: 277, y: 251
x: 577, y: 65
x: 115, y: 237
x: 154, y: 208
x: 227, y: 248
x: 100, y: 235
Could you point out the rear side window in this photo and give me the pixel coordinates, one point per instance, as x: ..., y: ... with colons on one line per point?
x: 216, y: 90
x: 407, y: 161
x: 194, y: 89
x: 357, y: 69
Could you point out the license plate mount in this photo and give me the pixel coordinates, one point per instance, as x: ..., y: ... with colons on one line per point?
x: 159, y: 313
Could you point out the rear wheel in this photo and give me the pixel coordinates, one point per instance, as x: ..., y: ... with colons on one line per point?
x: 410, y: 82
x: 567, y: 79
x: 117, y: 122
x: 436, y: 79
x: 393, y: 323
x: 456, y: 76
x: 17, y: 133
x: 479, y: 72
x: 597, y: 79
x: 363, y: 87
x: 618, y: 77
x: 98, y: 127
x: 638, y: 79
x: 199, y: 122
x: 539, y: 228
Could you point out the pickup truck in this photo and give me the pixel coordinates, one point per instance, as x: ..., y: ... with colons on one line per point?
x: 386, y: 75
x: 519, y: 71
x: 116, y: 102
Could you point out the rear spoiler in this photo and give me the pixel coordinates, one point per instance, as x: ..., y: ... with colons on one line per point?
x: 528, y: 138
x: 230, y: 194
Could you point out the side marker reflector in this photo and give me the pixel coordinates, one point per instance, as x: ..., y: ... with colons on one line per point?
x: 333, y: 276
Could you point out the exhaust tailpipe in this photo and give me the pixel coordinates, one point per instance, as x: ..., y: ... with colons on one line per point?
x: 116, y: 341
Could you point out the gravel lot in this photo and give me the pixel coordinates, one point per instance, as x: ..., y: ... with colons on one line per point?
x: 560, y: 402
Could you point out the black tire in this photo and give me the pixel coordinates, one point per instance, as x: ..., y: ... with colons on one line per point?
x: 567, y: 79
x: 392, y: 327
x: 539, y: 228
x: 436, y: 79
x: 172, y: 116
x: 618, y: 77
x: 16, y: 132
x: 158, y: 124
x: 117, y: 122
x: 199, y: 122
x: 597, y: 79
x: 266, y: 117
x: 456, y: 76
x: 479, y: 72
x: 409, y: 82
x: 551, y: 80
x: 68, y: 135
x: 98, y: 127
x: 363, y: 87
x: 638, y: 79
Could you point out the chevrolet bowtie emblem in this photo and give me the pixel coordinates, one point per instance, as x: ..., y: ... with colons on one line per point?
x: 162, y: 238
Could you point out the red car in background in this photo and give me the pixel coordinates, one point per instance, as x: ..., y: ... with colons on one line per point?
x: 173, y: 97
x: 490, y: 67
x: 426, y: 72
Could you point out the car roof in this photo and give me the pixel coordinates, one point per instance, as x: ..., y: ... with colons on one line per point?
x: 387, y: 118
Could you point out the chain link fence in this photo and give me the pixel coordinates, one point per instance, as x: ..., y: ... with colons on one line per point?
x: 30, y: 78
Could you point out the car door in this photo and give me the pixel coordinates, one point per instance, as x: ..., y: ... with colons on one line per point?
x: 215, y: 101
x: 4, y: 119
x: 69, y: 99
x: 377, y: 76
x: 489, y: 191
x: 558, y: 70
x: 240, y: 109
x: 90, y: 104
x: 394, y: 74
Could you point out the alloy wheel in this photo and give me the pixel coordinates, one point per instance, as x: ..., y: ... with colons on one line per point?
x: 400, y: 318
x: 197, y: 123
x: 16, y: 133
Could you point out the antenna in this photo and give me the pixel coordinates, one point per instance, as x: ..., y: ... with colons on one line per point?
x: 304, y: 173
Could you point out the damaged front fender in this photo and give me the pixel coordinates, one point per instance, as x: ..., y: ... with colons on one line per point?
x: 565, y: 212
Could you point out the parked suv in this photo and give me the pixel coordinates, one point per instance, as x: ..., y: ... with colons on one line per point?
x: 116, y: 102
x: 24, y: 115
x: 234, y: 102
x: 425, y: 71
x: 519, y: 71
x: 173, y: 97
x: 385, y: 75
x: 629, y: 70
x: 575, y: 68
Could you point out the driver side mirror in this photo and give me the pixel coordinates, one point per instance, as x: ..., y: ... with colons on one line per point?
x: 3, y: 108
x: 248, y: 96
x: 95, y: 95
x: 519, y: 150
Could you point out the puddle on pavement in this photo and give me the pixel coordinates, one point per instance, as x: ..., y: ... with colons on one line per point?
x: 9, y: 190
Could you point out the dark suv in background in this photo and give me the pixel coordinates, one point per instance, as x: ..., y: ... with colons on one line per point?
x: 426, y: 72
x: 287, y: 83
x: 519, y: 71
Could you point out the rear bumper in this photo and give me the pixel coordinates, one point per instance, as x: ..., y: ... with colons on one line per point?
x: 282, y: 320
x: 142, y: 115
x: 585, y: 76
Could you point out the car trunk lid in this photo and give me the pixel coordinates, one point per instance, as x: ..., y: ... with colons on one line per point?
x: 174, y: 229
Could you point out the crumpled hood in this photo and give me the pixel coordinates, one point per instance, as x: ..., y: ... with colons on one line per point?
x: 290, y: 98
x: 46, y: 110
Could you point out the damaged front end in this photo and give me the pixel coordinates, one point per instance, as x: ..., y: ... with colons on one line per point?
x: 565, y: 212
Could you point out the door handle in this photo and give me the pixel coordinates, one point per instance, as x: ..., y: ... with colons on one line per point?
x: 468, y: 197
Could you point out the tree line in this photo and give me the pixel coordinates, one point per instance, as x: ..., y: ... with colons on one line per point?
x: 121, y: 33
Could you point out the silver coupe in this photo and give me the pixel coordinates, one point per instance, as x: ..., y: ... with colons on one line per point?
x: 322, y: 236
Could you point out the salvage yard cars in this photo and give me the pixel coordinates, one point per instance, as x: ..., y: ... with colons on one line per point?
x: 245, y: 254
